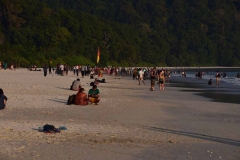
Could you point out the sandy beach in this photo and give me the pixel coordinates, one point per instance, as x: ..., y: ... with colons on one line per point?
x: 129, y: 123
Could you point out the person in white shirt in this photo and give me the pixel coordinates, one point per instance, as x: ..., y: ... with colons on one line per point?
x: 77, y: 68
x: 140, y: 76
x: 61, y: 69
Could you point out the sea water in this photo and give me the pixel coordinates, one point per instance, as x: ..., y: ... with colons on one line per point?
x: 228, y: 91
x: 231, y: 74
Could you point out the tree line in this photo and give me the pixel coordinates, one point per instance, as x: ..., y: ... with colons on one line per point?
x: 128, y: 32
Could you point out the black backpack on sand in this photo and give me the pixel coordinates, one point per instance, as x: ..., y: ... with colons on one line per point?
x: 71, y: 99
x: 47, y: 128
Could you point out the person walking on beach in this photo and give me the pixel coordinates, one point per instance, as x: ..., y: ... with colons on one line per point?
x: 3, y: 99
x: 153, y: 77
x: 134, y: 73
x: 140, y: 76
x: 161, y: 80
x: 218, y: 78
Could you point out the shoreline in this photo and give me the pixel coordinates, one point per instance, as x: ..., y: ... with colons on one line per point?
x: 224, y: 93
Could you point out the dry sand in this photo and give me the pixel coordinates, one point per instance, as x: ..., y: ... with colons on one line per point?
x: 130, y: 122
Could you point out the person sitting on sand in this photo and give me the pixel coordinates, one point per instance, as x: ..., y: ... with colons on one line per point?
x: 76, y: 84
x: 93, y: 95
x: 81, y: 97
x: 3, y: 99
x: 210, y: 82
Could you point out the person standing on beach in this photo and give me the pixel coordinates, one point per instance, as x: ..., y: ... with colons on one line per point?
x: 3, y: 99
x: 61, y: 69
x: 134, y: 73
x: 140, y: 76
x: 218, y: 78
x: 77, y: 69
x: 49, y: 69
x: 153, y: 77
x: 45, y: 70
x: 82, y: 71
x: 161, y: 80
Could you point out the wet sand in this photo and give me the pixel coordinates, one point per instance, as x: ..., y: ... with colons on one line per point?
x: 130, y: 122
x: 226, y: 93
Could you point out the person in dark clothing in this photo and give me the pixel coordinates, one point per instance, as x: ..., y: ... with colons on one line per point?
x: 50, y: 68
x: 3, y: 99
x: 210, y: 82
x: 45, y: 70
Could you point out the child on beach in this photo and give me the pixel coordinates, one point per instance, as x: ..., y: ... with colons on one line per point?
x: 3, y: 99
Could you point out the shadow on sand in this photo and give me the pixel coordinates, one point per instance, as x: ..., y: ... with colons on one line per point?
x: 197, y: 135
x: 59, y: 100
x: 63, y: 88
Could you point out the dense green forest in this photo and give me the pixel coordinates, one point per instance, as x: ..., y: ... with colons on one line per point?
x: 128, y: 32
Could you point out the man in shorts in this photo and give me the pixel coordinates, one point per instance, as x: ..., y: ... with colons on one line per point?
x: 153, y: 77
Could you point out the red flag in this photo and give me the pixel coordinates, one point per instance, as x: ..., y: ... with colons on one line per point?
x: 98, y: 55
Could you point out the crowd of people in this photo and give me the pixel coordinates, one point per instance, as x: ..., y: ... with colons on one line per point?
x: 155, y: 75
x: 140, y: 74
x: 10, y: 66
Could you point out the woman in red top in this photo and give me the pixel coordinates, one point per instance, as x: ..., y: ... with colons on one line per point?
x: 81, y: 97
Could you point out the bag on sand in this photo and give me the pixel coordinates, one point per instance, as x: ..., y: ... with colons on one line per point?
x: 71, y: 99
x: 50, y: 128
